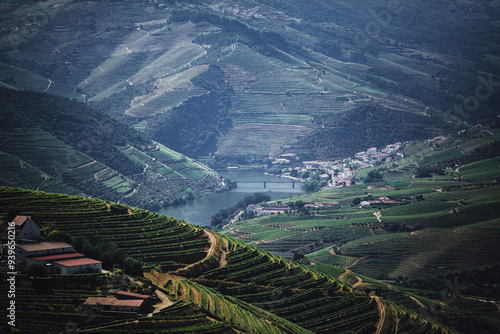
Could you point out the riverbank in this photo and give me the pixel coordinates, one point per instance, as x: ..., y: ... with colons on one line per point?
x: 199, y: 211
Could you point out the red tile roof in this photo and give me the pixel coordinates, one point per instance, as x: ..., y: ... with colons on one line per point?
x: 100, y: 301
x: 41, y: 246
x: 19, y: 220
x: 114, y: 301
x: 55, y: 257
x: 131, y: 295
x: 77, y: 262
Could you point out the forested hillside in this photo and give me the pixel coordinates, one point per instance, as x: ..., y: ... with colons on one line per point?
x: 355, y: 130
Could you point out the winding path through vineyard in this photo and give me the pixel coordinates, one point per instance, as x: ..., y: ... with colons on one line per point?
x: 165, y: 302
x: 381, y: 309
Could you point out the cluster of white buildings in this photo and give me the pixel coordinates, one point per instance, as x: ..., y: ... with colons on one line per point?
x: 266, y: 210
x: 372, y: 156
x: 56, y: 257
x: 340, y: 173
x: 254, y: 13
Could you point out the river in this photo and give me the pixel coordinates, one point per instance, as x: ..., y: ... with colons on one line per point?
x: 199, y: 211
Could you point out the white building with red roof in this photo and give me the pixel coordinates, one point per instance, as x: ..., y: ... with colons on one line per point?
x: 107, y: 304
x: 24, y: 226
x: 47, y: 259
x: 42, y: 248
x: 57, y: 257
x: 76, y: 266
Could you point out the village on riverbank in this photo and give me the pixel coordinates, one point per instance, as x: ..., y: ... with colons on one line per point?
x: 337, y: 173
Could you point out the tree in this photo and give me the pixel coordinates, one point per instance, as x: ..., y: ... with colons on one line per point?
x: 132, y: 266
x: 189, y: 193
x: 310, y: 186
x: 216, y: 219
x: 373, y: 176
x: 57, y: 235
x: 260, y: 197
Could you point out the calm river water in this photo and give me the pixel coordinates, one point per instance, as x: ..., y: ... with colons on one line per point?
x: 200, y: 210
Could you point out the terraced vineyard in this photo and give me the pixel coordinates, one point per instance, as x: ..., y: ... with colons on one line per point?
x: 439, y: 225
x: 217, y: 284
x: 20, y: 173
x: 286, y: 64
x: 425, y: 253
x: 75, y: 155
x: 180, y: 318
x: 150, y: 237
x: 39, y: 148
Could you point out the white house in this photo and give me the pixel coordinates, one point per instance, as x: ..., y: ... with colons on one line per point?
x: 273, y: 209
x: 24, y: 227
x: 76, y: 266
x: 251, y: 209
x: 42, y: 248
x: 48, y: 259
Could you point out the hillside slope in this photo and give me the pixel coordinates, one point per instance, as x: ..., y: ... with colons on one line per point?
x: 429, y: 225
x: 205, y: 274
x: 443, y: 194
x: 286, y: 68
x: 55, y: 144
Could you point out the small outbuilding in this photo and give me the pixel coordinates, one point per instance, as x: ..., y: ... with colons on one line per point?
x: 111, y: 304
x: 123, y: 302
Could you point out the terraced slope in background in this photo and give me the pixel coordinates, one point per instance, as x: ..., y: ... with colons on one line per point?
x: 298, y: 72
x: 53, y: 144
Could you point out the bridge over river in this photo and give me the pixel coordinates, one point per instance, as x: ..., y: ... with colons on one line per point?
x: 199, y: 211
x: 265, y: 183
